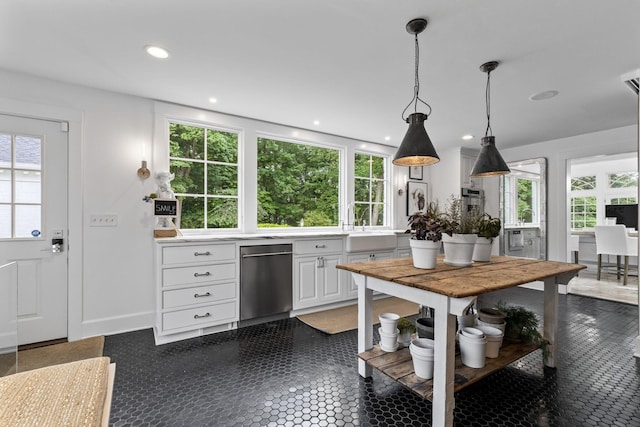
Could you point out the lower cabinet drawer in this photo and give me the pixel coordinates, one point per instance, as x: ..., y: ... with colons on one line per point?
x: 199, y: 274
x: 318, y: 246
x: 200, y: 317
x: 198, y: 295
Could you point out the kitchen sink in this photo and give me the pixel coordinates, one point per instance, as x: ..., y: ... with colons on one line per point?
x: 371, y: 241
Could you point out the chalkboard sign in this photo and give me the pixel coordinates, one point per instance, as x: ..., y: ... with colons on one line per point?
x: 165, y: 207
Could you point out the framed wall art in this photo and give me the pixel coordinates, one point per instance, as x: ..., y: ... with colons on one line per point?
x: 415, y: 172
x: 416, y: 197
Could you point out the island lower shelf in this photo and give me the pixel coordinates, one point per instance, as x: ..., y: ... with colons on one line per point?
x: 399, y: 367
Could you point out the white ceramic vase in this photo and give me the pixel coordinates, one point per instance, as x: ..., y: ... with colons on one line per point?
x: 482, y: 249
x: 458, y: 249
x: 425, y: 253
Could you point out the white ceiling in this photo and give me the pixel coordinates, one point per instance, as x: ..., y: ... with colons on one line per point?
x: 347, y: 63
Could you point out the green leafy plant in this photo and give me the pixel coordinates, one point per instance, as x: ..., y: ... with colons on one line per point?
x: 522, y: 325
x: 457, y: 221
x: 489, y: 227
x: 405, y: 326
x: 427, y: 225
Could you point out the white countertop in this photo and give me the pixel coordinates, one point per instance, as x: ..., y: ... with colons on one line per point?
x: 293, y: 234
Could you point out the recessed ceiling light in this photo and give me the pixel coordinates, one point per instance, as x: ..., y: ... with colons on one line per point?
x: 387, y: 138
x: 213, y: 100
x: 157, y: 52
x: 467, y: 137
x: 540, y: 96
x: 316, y: 122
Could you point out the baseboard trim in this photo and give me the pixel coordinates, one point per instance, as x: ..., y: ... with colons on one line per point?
x: 118, y: 324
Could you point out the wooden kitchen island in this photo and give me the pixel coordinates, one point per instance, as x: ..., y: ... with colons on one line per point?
x: 450, y: 291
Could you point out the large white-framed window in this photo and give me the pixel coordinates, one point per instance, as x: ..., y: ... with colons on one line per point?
x: 371, y: 185
x: 204, y: 160
x: 298, y: 183
x: 522, y: 198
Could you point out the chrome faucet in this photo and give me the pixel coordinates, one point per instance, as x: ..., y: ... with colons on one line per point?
x: 523, y: 212
x: 349, y: 222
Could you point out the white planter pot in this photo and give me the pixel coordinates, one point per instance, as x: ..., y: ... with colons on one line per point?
x: 472, y: 350
x: 425, y: 253
x: 422, y: 355
x: 389, y: 322
x: 494, y: 340
x: 388, y: 342
x: 458, y: 249
x: 482, y: 249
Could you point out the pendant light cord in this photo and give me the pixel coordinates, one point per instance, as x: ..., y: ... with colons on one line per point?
x: 416, y: 86
x: 488, y: 103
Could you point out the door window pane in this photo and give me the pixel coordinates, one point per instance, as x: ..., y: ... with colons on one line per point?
x: 28, y: 186
x: 28, y: 152
x: 27, y: 220
x: 20, y: 186
x: 5, y: 221
x: 5, y: 186
x: 5, y: 150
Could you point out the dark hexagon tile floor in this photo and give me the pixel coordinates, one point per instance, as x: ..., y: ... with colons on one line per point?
x: 285, y: 373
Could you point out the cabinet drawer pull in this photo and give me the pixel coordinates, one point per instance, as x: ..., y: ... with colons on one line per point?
x: 321, y: 246
x: 201, y: 274
x: 202, y: 253
x: 208, y: 294
x: 197, y: 316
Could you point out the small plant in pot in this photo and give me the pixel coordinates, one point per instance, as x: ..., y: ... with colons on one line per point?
x: 488, y: 229
x: 406, y: 328
x: 522, y: 326
x: 460, y: 232
x: 426, y: 228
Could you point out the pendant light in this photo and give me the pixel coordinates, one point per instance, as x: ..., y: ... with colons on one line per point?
x: 416, y: 148
x: 489, y: 161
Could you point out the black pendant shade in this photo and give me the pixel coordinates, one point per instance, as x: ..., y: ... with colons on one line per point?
x: 416, y: 148
x: 489, y: 161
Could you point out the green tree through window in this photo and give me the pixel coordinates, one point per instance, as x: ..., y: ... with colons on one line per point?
x: 205, y: 163
x: 369, y: 189
x: 298, y: 184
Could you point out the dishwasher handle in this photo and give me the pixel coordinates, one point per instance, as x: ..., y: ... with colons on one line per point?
x: 266, y: 254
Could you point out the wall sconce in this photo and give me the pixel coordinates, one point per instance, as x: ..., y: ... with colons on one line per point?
x: 143, y: 172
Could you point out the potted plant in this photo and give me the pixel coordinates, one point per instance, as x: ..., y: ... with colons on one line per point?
x: 488, y: 230
x: 460, y: 232
x: 426, y: 228
x: 522, y: 326
x: 406, y: 328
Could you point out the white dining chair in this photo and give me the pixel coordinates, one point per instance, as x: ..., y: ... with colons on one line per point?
x: 614, y: 240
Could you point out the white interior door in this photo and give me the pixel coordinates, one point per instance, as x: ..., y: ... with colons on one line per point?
x: 33, y: 212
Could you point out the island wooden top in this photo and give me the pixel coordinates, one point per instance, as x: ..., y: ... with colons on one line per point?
x: 459, y: 282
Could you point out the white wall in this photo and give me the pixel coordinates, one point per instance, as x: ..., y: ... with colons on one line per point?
x: 115, y: 286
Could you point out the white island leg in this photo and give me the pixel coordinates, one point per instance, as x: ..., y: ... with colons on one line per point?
x: 444, y: 363
x: 365, y: 322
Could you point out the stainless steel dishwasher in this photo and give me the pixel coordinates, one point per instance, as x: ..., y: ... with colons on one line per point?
x: 266, y: 280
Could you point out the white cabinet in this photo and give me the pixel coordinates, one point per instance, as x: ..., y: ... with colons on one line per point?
x: 316, y: 279
x: 352, y: 288
x: 403, y: 249
x: 197, y: 289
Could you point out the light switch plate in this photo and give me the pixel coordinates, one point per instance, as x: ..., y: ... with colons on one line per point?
x: 103, y: 220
